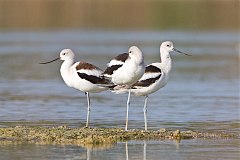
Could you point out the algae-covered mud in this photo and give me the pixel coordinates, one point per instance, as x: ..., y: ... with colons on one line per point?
x: 66, y: 135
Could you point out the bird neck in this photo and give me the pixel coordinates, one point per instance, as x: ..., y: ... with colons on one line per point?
x: 68, y: 62
x: 65, y: 71
x: 66, y: 65
x: 166, y: 60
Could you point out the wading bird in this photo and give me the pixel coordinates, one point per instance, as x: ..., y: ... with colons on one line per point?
x: 155, y: 77
x: 125, y: 70
x: 80, y: 75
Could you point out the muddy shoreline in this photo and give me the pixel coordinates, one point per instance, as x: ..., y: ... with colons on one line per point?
x: 79, y: 136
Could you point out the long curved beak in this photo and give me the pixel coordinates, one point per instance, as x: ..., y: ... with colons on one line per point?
x: 181, y: 52
x: 50, y: 61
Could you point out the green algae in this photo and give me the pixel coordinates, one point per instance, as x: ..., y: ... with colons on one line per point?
x: 96, y: 136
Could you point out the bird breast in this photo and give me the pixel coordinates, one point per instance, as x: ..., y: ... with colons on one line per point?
x: 128, y: 74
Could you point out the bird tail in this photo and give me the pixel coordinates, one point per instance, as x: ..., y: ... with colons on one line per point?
x: 117, y: 89
x: 105, y: 82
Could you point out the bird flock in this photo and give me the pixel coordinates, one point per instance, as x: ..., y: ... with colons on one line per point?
x: 126, y: 73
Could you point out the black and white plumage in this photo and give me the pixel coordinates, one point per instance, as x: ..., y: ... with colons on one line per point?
x: 115, y: 64
x: 80, y: 75
x: 155, y: 77
x: 126, y: 69
x: 151, y: 76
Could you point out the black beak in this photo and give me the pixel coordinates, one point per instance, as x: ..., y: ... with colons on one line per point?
x: 181, y: 52
x: 50, y: 61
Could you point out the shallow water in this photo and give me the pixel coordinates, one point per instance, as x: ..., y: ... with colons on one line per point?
x: 202, y: 94
x: 137, y: 150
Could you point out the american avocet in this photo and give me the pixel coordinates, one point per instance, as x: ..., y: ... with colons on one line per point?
x: 80, y: 75
x: 126, y: 69
x: 155, y: 77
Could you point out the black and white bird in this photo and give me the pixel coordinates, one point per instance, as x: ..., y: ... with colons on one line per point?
x: 155, y: 77
x: 80, y: 75
x: 125, y: 70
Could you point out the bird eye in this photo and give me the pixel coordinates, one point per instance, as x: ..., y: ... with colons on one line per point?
x: 168, y: 45
x: 64, y: 54
x: 130, y: 52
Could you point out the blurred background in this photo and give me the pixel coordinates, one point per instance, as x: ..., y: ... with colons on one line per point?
x: 120, y: 15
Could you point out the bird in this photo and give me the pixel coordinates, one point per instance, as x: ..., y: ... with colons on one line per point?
x: 80, y: 75
x: 156, y: 76
x: 125, y: 70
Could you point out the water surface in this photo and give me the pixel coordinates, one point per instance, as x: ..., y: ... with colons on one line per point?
x: 202, y: 94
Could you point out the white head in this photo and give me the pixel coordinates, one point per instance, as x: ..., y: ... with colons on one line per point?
x: 67, y: 54
x: 167, y: 47
x: 136, y: 53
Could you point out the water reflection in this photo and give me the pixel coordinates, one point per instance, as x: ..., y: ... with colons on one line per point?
x: 144, y: 150
x: 126, y: 149
x: 144, y: 145
x: 166, y: 149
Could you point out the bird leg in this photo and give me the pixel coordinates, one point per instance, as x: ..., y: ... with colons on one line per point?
x: 88, y: 109
x: 128, y: 103
x: 145, y: 112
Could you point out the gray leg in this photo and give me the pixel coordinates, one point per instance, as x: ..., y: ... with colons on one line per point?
x: 88, y: 109
x: 128, y: 103
x: 145, y: 112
